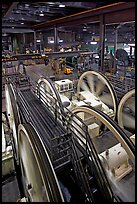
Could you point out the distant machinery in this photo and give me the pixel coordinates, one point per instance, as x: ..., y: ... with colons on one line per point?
x: 93, y: 89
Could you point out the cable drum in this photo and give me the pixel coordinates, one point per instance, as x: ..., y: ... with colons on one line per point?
x: 121, y: 55
x: 115, y: 149
x: 38, y: 177
x: 48, y: 94
x: 13, y: 114
x: 96, y: 85
x: 126, y: 111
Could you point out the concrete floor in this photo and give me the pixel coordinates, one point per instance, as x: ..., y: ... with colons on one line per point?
x: 10, y: 190
x: 36, y: 71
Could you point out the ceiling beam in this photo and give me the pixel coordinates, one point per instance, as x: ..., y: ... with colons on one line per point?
x: 123, y: 16
x: 88, y: 15
x: 94, y: 19
x: 13, y: 6
x: 17, y: 30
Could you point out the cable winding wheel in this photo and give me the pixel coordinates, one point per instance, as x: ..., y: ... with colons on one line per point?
x: 95, y: 89
x: 126, y: 111
x: 115, y: 149
x: 49, y: 95
x: 39, y: 180
x: 13, y: 114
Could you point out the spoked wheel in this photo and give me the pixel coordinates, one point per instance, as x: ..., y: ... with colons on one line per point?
x: 114, y: 148
x: 48, y: 94
x: 126, y: 111
x: 101, y: 89
x: 38, y: 177
x: 13, y: 115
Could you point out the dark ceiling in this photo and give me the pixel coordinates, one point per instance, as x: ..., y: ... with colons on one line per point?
x: 20, y: 17
x: 22, y: 14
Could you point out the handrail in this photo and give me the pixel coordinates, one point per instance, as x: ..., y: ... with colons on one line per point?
x: 79, y: 132
x: 79, y: 139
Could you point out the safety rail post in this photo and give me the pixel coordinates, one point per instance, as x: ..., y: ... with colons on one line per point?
x: 80, y: 173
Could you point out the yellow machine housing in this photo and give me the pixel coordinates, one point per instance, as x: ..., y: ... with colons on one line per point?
x: 68, y: 70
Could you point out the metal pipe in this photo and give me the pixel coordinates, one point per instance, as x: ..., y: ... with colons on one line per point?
x: 115, y: 47
x: 102, y: 42
x: 35, y: 45
x: 55, y: 39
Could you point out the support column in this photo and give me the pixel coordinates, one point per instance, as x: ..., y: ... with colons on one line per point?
x: 102, y: 42
x: 24, y: 43
x: 35, y: 43
x: 24, y: 39
x: 55, y: 39
x: 130, y: 50
x: 115, y: 47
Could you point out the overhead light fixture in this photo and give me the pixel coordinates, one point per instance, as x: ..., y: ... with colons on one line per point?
x: 51, y: 3
x: 51, y: 41
x: 27, y: 5
x: 38, y: 40
x: 61, y: 5
x: 133, y: 45
x: 41, y: 14
x: 93, y: 42
x: 60, y: 40
x: 22, y: 23
x: 4, y: 34
x: 12, y: 27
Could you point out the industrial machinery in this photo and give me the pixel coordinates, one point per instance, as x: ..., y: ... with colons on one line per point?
x: 121, y: 84
x: 68, y: 70
x: 125, y: 64
x: 93, y: 89
x: 110, y: 147
x: 76, y: 154
x: 65, y: 88
x: 7, y: 152
x: 122, y: 57
x: 126, y: 111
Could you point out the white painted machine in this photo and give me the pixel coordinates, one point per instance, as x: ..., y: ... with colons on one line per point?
x: 93, y: 89
x: 7, y: 153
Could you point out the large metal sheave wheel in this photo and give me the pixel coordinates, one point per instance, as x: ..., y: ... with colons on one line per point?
x: 38, y: 177
x: 48, y: 94
x: 121, y: 55
x: 114, y: 148
x: 100, y: 87
x: 126, y: 111
x: 12, y: 113
x: 97, y: 116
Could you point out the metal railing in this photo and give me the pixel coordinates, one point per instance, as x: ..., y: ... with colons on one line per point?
x: 71, y: 146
